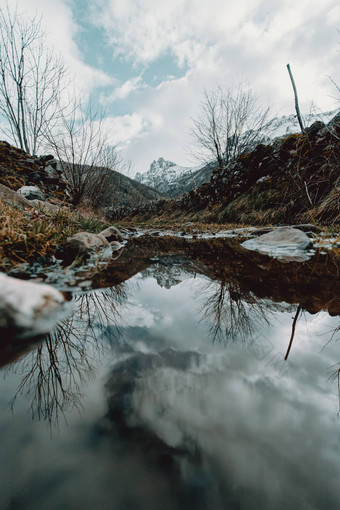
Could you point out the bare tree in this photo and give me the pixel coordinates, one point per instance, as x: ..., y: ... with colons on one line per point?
x: 81, y: 143
x: 31, y: 80
x: 230, y: 122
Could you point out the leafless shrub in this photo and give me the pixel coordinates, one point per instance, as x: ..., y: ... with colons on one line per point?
x: 231, y: 122
x: 32, y: 80
x: 81, y: 144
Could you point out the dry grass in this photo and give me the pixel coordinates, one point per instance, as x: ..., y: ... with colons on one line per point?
x: 330, y: 207
x: 27, y: 236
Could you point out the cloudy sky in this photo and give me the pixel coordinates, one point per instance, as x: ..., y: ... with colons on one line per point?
x: 150, y: 61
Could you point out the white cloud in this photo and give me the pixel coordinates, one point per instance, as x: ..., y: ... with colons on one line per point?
x: 221, y: 41
x: 212, y: 43
x: 123, y: 129
x: 62, y: 29
x: 124, y: 90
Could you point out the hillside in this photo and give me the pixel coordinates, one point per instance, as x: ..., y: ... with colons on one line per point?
x: 127, y: 191
x: 171, y: 179
x: 295, y: 178
x: 17, y: 169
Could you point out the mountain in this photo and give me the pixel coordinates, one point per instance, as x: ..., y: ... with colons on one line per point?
x: 126, y: 191
x: 292, y: 179
x: 288, y: 124
x: 172, y: 180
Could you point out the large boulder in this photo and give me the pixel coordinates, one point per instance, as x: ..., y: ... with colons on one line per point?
x: 45, y: 206
x: 12, y: 197
x: 31, y: 193
x: 285, y: 243
x: 289, y: 237
x: 85, y: 244
x: 28, y: 309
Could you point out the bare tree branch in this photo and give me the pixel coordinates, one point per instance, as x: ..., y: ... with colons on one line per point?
x: 32, y: 80
x: 230, y: 122
x: 81, y: 143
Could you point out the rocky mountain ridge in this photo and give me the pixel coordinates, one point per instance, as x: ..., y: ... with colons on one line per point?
x: 171, y: 179
x: 294, y: 179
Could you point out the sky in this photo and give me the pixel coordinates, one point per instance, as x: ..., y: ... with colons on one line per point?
x: 149, y: 62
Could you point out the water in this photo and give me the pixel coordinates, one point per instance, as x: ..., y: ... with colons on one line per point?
x: 169, y: 390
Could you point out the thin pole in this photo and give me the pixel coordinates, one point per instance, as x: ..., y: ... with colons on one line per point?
x: 297, y: 109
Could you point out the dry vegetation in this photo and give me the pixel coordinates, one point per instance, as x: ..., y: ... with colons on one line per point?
x: 29, y: 236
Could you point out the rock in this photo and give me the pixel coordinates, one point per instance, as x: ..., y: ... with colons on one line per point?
x: 46, y: 157
x: 283, y: 237
x: 51, y: 172
x: 84, y: 244
x: 45, y: 206
x: 12, y: 197
x: 284, y: 243
x: 112, y: 234
x: 31, y: 193
x: 28, y: 309
x: 263, y: 179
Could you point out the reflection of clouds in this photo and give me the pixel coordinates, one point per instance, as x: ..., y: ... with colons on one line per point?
x: 256, y: 431
x: 183, y: 423
x: 139, y: 316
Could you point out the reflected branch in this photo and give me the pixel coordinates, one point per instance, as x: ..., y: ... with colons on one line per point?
x: 298, y: 310
x: 232, y: 313
x: 53, y: 376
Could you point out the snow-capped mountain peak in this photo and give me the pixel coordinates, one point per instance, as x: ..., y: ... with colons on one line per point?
x: 170, y: 179
x: 163, y: 174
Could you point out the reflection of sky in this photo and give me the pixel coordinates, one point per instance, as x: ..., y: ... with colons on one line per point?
x: 266, y: 431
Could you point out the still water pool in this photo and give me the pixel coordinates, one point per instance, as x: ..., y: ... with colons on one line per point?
x: 170, y: 391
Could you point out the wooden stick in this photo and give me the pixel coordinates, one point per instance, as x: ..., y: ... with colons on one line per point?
x: 297, y: 109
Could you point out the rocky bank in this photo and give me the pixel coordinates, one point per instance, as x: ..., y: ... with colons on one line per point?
x: 291, y: 180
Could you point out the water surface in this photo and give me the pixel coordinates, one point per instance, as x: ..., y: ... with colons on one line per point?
x: 169, y: 389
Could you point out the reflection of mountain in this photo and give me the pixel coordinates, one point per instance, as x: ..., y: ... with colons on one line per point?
x: 314, y: 284
x: 170, y: 271
x: 238, y: 294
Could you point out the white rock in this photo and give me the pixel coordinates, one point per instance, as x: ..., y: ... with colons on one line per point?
x: 28, y: 309
x: 31, y: 193
x: 263, y: 179
x: 286, y: 237
x: 284, y: 243
x: 86, y: 244
x: 46, y: 207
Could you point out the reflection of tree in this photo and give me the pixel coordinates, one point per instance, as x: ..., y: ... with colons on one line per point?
x: 232, y: 313
x: 54, y: 374
x: 335, y: 369
x: 295, y: 319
